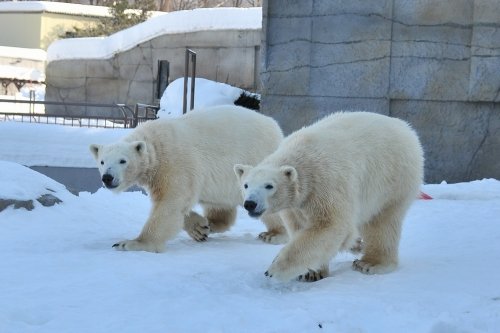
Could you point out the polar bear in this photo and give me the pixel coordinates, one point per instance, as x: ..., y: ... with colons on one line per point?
x: 189, y: 160
x: 350, y: 174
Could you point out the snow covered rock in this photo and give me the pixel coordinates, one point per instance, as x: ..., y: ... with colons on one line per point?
x: 25, y: 188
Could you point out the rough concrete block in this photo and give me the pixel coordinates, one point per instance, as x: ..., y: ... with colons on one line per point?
x: 484, y: 85
x: 381, y: 8
x: 452, y: 134
x: 350, y: 27
x: 229, y: 70
x: 102, y: 90
x: 434, y: 12
x: 288, y: 82
x: 429, y: 79
x: 136, y: 72
x: 363, y: 78
x: 284, y: 30
x: 292, y: 113
x: 281, y: 8
x: 66, y: 69
x: 100, y: 68
x: 140, y: 92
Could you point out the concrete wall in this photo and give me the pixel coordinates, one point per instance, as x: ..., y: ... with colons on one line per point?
x: 130, y: 77
x: 434, y: 63
x: 37, y: 29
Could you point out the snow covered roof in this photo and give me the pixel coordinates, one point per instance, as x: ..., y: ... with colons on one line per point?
x: 201, y: 19
x: 53, y: 7
x: 21, y: 52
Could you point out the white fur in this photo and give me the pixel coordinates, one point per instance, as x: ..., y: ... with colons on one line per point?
x: 348, y: 174
x: 189, y: 160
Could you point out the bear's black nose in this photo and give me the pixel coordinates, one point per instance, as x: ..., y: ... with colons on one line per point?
x: 107, y: 179
x: 250, y: 205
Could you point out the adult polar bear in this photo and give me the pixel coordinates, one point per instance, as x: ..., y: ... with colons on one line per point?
x: 189, y: 160
x: 348, y: 173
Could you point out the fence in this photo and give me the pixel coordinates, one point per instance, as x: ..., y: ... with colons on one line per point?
x: 129, y: 118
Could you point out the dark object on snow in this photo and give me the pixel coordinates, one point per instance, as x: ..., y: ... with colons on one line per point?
x: 47, y: 200
x: 26, y: 204
x: 248, y: 100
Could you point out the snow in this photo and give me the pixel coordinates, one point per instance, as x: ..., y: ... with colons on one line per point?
x: 21, y: 52
x: 21, y: 183
x: 53, y: 7
x: 21, y: 73
x: 185, y: 21
x: 60, y: 273
x: 207, y: 93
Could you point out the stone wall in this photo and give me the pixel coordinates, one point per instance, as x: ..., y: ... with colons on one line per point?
x: 434, y: 63
x: 129, y: 77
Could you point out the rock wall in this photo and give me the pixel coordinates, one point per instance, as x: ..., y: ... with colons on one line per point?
x: 129, y: 77
x: 434, y: 63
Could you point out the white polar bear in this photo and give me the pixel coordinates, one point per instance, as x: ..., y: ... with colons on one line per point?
x: 189, y: 160
x: 347, y: 174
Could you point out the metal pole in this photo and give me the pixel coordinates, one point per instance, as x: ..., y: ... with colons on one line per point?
x: 193, y: 78
x: 186, y: 69
x: 190, y: 55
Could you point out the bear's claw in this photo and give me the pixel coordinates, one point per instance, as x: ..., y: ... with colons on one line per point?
x: 312, y: 276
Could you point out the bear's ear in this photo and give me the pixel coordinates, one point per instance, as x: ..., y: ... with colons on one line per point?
x: 94, y: 149
x: 289, y: 172
x: 240, y: 169
x: 140, y: 147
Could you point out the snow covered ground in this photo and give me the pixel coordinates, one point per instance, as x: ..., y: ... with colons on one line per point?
x: 60, y: 274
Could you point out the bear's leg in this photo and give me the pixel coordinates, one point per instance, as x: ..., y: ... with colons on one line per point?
x: 196, y: 226
x: 220, y: 219
x: 164, y: 223
x: 310, y: 249
x: 276, y: 233
x: 381, y: 241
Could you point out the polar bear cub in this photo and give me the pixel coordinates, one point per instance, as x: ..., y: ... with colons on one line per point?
x: 351, y: 174
x: 189, y: 160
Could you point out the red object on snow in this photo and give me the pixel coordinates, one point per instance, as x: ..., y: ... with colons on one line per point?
x: 424, y: 196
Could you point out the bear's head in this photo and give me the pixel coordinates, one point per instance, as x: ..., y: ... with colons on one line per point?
x: 120, y: 164
x: 267, y: 189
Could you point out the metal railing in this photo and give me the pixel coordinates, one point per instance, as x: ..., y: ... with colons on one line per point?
x: 190, y: 55
x: 128, y: 118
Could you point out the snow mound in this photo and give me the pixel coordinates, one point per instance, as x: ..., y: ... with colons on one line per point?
x: 21, y: 186
x: 184, y: 21
x: 207, y: 93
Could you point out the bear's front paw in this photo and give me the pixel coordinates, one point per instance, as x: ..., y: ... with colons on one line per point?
x: 283, y: 271
x: 197, y: 227
x: 135, y: 245
x: 273, y: 237
x: 314, y: 275
x: 370, y: 268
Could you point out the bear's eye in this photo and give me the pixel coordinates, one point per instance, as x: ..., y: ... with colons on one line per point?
x: 269, y: 187
x: 102, y: 162
x: 245, y: 186
x: 123, y: 161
